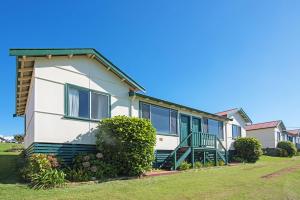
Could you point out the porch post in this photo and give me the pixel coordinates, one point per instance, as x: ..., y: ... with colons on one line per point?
x: 193, y: 157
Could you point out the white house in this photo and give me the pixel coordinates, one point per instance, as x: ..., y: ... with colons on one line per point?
x: 237, y: 126
x: 268, y: 133
x: 63, y: 93
x: 294, y: 136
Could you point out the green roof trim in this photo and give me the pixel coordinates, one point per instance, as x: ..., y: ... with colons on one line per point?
x: 76, y: 51
x: 244, y: 115
x: 178, y: 105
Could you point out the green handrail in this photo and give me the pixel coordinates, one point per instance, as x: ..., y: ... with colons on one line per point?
x: 198, y: 139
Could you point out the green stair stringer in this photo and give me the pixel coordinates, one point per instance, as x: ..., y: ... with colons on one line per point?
x: 182, y: 158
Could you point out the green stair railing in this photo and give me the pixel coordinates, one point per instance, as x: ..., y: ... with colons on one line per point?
x: 198, y: 140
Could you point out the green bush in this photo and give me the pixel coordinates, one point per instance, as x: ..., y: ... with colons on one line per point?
x: 198, y: 165
x: 42, y: 171
x: 49, y: 178
x: 281, y: 152
x: 209, y: 164
x: 248, y: 149
x: 127, y: 144
x: 90, y: 167
x: 288, y: 146
x: 77, y: 175
x: 184, y: 166
x: 221, y: 163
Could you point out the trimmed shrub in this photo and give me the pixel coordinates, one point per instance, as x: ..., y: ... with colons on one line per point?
x: 42, y: 171
x: 288, y: 146
x: 248, y: 149
x: 127, y: 144
x: 184, y: 166
x: 276, y: 152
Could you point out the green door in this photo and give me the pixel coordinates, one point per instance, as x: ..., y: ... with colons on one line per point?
x: 196, y: 128
x: 184, y: 128
x: 196, y: 125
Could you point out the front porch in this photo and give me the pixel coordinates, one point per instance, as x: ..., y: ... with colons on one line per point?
x: 195, y: 147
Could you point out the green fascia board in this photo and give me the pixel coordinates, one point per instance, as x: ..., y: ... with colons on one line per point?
x: 75, y: 51
x: 131, y: 94
x: 246, y: 117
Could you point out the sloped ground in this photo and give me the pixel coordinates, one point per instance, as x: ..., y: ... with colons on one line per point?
x: 233, y: 182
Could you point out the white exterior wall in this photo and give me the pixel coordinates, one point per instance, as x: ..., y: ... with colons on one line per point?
x: 267, y: 137
x: 50, y: 78
x: 236, y: 120
x: 30, y: 116
x: 47, y: 108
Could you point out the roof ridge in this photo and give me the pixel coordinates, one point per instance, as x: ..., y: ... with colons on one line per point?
x: 265, y: 122
x: 228, y: 110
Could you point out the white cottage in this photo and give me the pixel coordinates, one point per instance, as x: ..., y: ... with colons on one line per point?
x: 294, y: 136
x: 268, y: 133
x: 237, y: 126
x: 63, y: 93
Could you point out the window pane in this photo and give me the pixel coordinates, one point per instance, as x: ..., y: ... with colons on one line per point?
x: 84, y: 110
x: 100, y: 106
x: 213, y: 127
x: 160, y: 118
x: 236, y: 131
x: 78, y: 101
x: 174, y: 121
x: 205, y: 125
x: 145, y: 111
x: 221, y: 135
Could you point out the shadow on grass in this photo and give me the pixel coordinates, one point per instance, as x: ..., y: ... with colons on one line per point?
x: 9, y: 169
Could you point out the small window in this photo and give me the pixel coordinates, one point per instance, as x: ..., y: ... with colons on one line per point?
x: 86, y: 104
x: 236, y: 131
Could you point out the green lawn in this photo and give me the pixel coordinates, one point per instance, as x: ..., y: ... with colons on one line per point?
x: 233, y: 182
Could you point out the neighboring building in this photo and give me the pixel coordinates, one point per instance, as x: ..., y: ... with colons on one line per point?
x: 268, y: 133
x: 2, y: 140
x: 236, y: 127
x: 63, y: 93
x: 294, y: 136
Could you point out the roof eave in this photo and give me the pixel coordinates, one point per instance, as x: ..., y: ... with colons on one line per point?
x: 75, y: 51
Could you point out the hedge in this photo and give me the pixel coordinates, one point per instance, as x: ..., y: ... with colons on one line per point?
x: 127, y: 143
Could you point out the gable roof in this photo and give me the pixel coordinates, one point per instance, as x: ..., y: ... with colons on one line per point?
x: 222, y: 118
x: 271, y: 124
x: 76, y: 51
x: 238, y: 110
x: 295, y: 132
x: 24, y: 75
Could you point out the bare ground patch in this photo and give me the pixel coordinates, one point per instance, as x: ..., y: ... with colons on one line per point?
x: 282, y: 172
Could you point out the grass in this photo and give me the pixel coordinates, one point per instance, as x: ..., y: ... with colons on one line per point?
x: 235, y: 182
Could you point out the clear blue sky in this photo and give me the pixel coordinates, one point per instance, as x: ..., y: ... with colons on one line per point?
x: 211, y: 55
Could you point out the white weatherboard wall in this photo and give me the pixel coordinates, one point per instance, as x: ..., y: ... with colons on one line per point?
x: 50, y: 78
x: 267, y: 137
x: 47, y: 102
x: 29, y: 114
x: 236, y: 120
